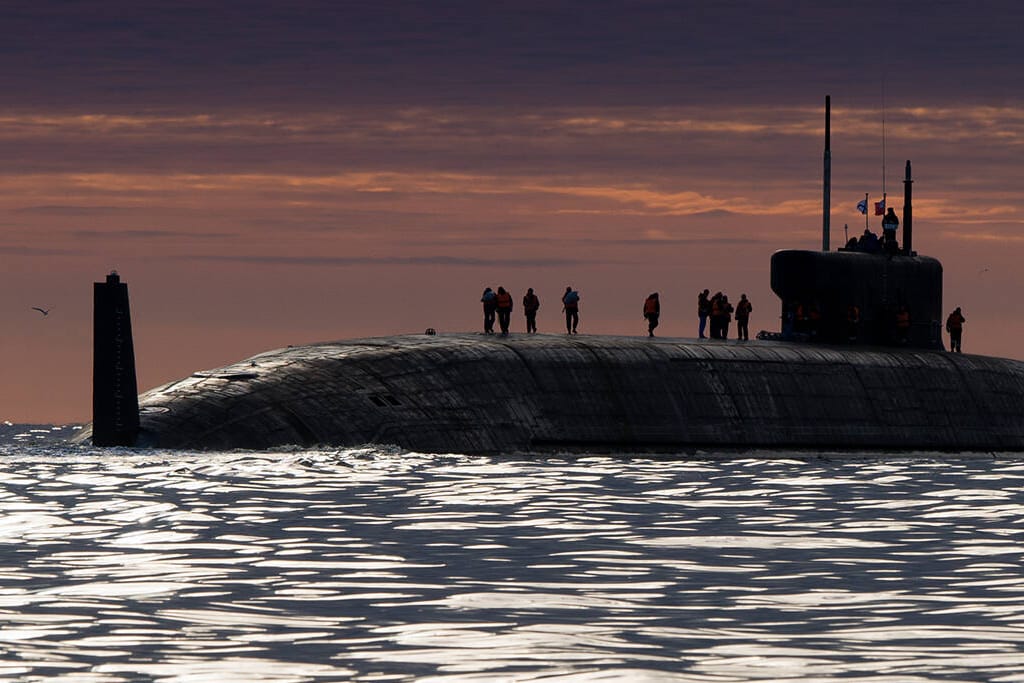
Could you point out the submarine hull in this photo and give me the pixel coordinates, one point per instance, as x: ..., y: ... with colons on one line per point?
x: 481, y: 394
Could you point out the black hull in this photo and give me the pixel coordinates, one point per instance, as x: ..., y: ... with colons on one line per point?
x: 476, y: 394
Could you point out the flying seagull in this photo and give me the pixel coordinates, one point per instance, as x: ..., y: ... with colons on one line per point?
x: 44, y: 311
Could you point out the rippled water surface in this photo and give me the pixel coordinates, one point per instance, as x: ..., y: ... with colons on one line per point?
x: 373, y: 565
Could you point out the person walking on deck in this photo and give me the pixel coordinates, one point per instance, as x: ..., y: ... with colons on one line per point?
x: 703, y: 311
x: 490, y: 302
x: 504, y: 307
x: 571, y: 306
x: 652, y: 310
x: 530, y: 305
x: 743, y: 311
x: 955, y: 327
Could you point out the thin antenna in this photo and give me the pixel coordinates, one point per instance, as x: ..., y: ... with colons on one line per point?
x: 826, y: 209
x: 883, y: 138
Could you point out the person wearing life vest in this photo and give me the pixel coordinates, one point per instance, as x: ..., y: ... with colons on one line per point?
x: 813, y: 320
x: 703, y: 311
x: 503, y: 302
x: 955, y: 327
x: 788, y: 319
x: 902, y: 325
x: 652, y: 311
x: 490, y: 302
x: 890, y: 223
x: 725, y: 311
x: 799, y: 317
x: 571, y: 307
x: 743, y: 311
x: 530, y: 305
x: 852, y: 322
x: 715, y: 315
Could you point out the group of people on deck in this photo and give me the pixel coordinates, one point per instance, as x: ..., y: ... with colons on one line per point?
x: 498, y: 307
x: 714, y: 313
x: 716, y: 309
x: 498, y: 304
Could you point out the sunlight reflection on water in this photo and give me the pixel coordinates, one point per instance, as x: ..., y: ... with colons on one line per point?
x: 376, y: 565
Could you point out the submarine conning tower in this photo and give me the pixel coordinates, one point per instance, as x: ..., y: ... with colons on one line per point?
x: 869, y: 292
x: 819, y: 288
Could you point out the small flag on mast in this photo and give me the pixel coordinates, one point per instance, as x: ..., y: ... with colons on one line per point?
x: 862, y: 206
x: 880, y: 208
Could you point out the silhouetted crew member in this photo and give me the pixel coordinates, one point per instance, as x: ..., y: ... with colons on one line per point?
x: 703, y: 311
x: 652, y: 311
x: 890, y: 223
x: 852, y: 322
x: 788, y: 319
x: 955, y: 327
x: 813, y: 321
x: 799, y: 318
x: 571, y: 306
x: 902, y: 325
x: 869, y: 242
x: 530, y: 305
x: 490, y: 301
x: 715, y: 315
x: 504, y: 305
x: 726, y: 309
x: 743, y: 311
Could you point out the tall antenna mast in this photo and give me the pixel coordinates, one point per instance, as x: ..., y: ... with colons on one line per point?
x: 827, y: 191
x: 883, y: 141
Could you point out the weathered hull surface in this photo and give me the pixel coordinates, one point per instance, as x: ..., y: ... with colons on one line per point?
x: 474, y: 394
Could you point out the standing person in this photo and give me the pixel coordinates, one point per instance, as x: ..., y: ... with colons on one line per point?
x: 571, y: 306
x: 703, y: 311
x: 726, y: 309
x: 955, y: 327
x: 890, y: 224
x: 743, y: 311
x: 490, y: 301
x: 504, y: 306
x: 652, y: 311
x: 715, y: 314
x: 530, y: 305
x: 902, y: 325
x: 852, y: 322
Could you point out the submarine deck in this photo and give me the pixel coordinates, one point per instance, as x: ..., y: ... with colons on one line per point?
x: 474, y: 393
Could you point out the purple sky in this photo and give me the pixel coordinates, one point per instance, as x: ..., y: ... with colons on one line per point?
x: 264, y: 174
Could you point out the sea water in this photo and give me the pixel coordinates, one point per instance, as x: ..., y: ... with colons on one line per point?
x: 375, y: 564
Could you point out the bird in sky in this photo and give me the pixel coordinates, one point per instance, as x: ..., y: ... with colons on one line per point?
x: 44, y: 311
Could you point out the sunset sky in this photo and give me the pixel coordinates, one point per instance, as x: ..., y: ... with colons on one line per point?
x: 273, y: 173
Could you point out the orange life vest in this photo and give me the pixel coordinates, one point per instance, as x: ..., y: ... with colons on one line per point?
x: 504, y: 300
x: 902, y: 319
x: 650, y: 306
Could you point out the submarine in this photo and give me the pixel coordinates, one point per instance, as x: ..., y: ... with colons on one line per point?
x: 876, y: 380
